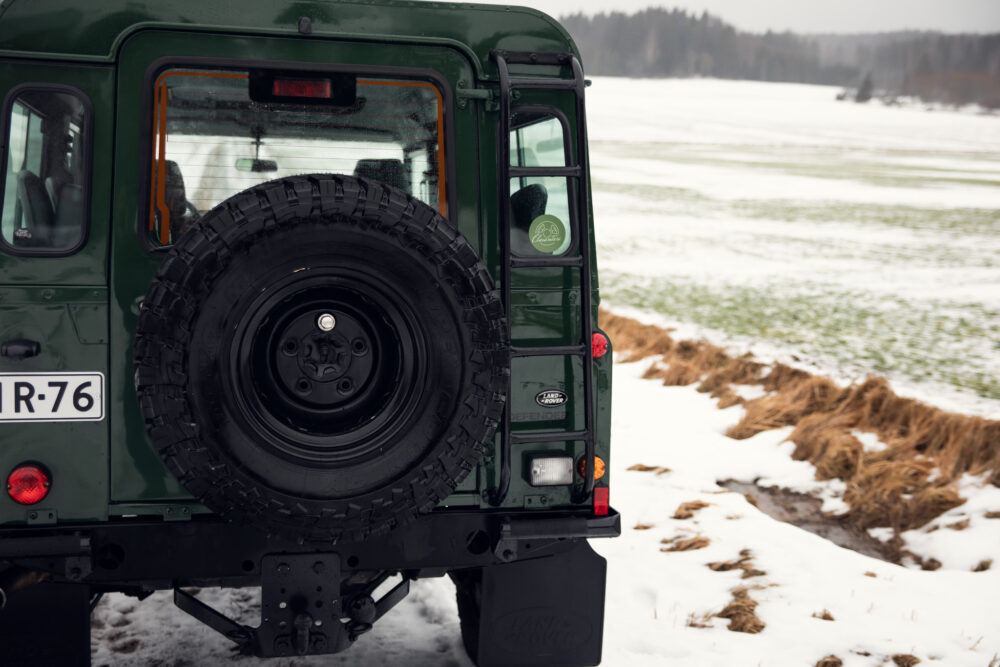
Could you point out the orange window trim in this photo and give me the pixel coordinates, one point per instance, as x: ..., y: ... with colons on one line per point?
x: 159, y: 175
x: 158, y: 184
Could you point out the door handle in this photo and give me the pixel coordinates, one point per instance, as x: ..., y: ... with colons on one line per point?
x: 20, y: 349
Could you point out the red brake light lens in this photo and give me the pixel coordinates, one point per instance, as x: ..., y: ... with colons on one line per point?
x: 28, y: 484
x: 320, y: 88
x: 601, y: 504
x: 598, y: 345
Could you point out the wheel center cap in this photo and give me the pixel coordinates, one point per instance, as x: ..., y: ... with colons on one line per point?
x: 324, y: 357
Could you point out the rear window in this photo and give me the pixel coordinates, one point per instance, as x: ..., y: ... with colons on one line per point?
x: 220, y: 131
x: 45, y: 174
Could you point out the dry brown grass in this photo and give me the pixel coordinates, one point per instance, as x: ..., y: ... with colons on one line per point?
x: 633, y: 339
x: 728, y: 398
x: 992, y: 515
x: 824, y: 615
x: 689, y: 544
x: 983, y: 565
x: 930, y: 564
x: 740, y: 613
x: 679, y: 374
x: 744, y: 563
x: 703, y: 621
x: 959, y: 525
x: 641, y: 467
x: 787, y: 407
x: 742, y: 370
x: 643, y: 526
x: 898, y: 494
x: 905, y: 660
x: 830, y: 661
x: 687, y: 510
x: 903, y: 487
x: 835, y: 452
x: 680, y: 363
x: 780, y: 377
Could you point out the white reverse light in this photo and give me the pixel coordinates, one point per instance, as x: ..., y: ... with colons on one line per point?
x: 551, y: 471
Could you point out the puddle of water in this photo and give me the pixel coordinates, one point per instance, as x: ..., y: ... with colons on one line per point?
x: 805, y: 512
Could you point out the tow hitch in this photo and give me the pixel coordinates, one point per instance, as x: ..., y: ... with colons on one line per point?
x: 303, y: 611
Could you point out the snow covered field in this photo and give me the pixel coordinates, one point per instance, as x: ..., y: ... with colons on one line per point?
x: 768, y: 217
x: 858, y: 237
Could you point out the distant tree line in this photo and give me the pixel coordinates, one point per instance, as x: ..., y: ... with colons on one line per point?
x: 675, y: 43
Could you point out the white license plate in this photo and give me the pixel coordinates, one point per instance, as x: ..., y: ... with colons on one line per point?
x: 51, y: 397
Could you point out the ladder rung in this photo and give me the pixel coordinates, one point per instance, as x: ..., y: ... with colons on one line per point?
x: 535, y: 57
x: 541, y: 262
x: 553, y: 351
x: 541, y: 172
x: 549, y: 436
x: 544, y: 84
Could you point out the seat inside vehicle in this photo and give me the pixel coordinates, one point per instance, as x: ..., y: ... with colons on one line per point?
x: 46, y: 165
x: 36, y: 211
x: 525, y: 205
x: 182, y: 213
x: 390, y: 172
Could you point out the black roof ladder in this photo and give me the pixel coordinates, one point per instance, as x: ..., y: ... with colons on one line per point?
x: 579, y: 226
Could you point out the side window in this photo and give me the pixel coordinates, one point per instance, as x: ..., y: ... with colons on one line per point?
x: 540, y: 205
x: 45, y: 173
x: 217, y: 132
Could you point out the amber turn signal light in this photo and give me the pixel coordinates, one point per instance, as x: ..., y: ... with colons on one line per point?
x: 599, y: 467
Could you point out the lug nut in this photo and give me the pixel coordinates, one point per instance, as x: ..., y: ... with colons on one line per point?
x: 326, y: 322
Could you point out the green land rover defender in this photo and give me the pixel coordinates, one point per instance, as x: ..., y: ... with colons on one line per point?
x: 299, y: 295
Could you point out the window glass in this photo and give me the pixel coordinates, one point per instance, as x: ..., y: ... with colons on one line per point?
x: 218, y: 132
x: 43, y: 192
x: 539, y: 205
x: 540, y: 143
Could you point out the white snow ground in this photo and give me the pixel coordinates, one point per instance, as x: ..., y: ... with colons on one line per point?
x: 947, y: 617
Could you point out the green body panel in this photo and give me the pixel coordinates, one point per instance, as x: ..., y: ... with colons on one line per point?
x: 69, y: 29
x: 75, y: 453
x: 109, y: 467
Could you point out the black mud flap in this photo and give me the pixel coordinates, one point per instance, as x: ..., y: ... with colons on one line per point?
x: 46, y: 624
x: 545, y: 611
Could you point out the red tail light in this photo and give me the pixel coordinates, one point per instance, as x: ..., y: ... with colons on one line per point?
x: 302, y: 88
x: 598, y: 345
x: 28, y: 484
x: 601, y: 505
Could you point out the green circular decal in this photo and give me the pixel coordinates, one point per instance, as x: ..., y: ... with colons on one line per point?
x: 547, y: 233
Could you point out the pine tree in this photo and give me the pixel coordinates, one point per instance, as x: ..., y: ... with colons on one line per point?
x: 865, y: 91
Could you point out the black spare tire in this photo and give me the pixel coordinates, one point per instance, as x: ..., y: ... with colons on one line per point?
x: 321, y: 356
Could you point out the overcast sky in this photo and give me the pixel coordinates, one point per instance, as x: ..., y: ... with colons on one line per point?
x: 813, y: 15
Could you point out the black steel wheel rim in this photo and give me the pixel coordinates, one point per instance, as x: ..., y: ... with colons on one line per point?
x: 327, y: 398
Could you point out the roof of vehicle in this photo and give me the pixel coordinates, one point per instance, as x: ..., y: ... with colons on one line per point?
x: 70, y: 29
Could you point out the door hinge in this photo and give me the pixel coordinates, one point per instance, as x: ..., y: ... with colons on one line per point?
x: 463, y: 94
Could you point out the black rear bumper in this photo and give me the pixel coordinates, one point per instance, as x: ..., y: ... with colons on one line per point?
x: 206, y: 551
